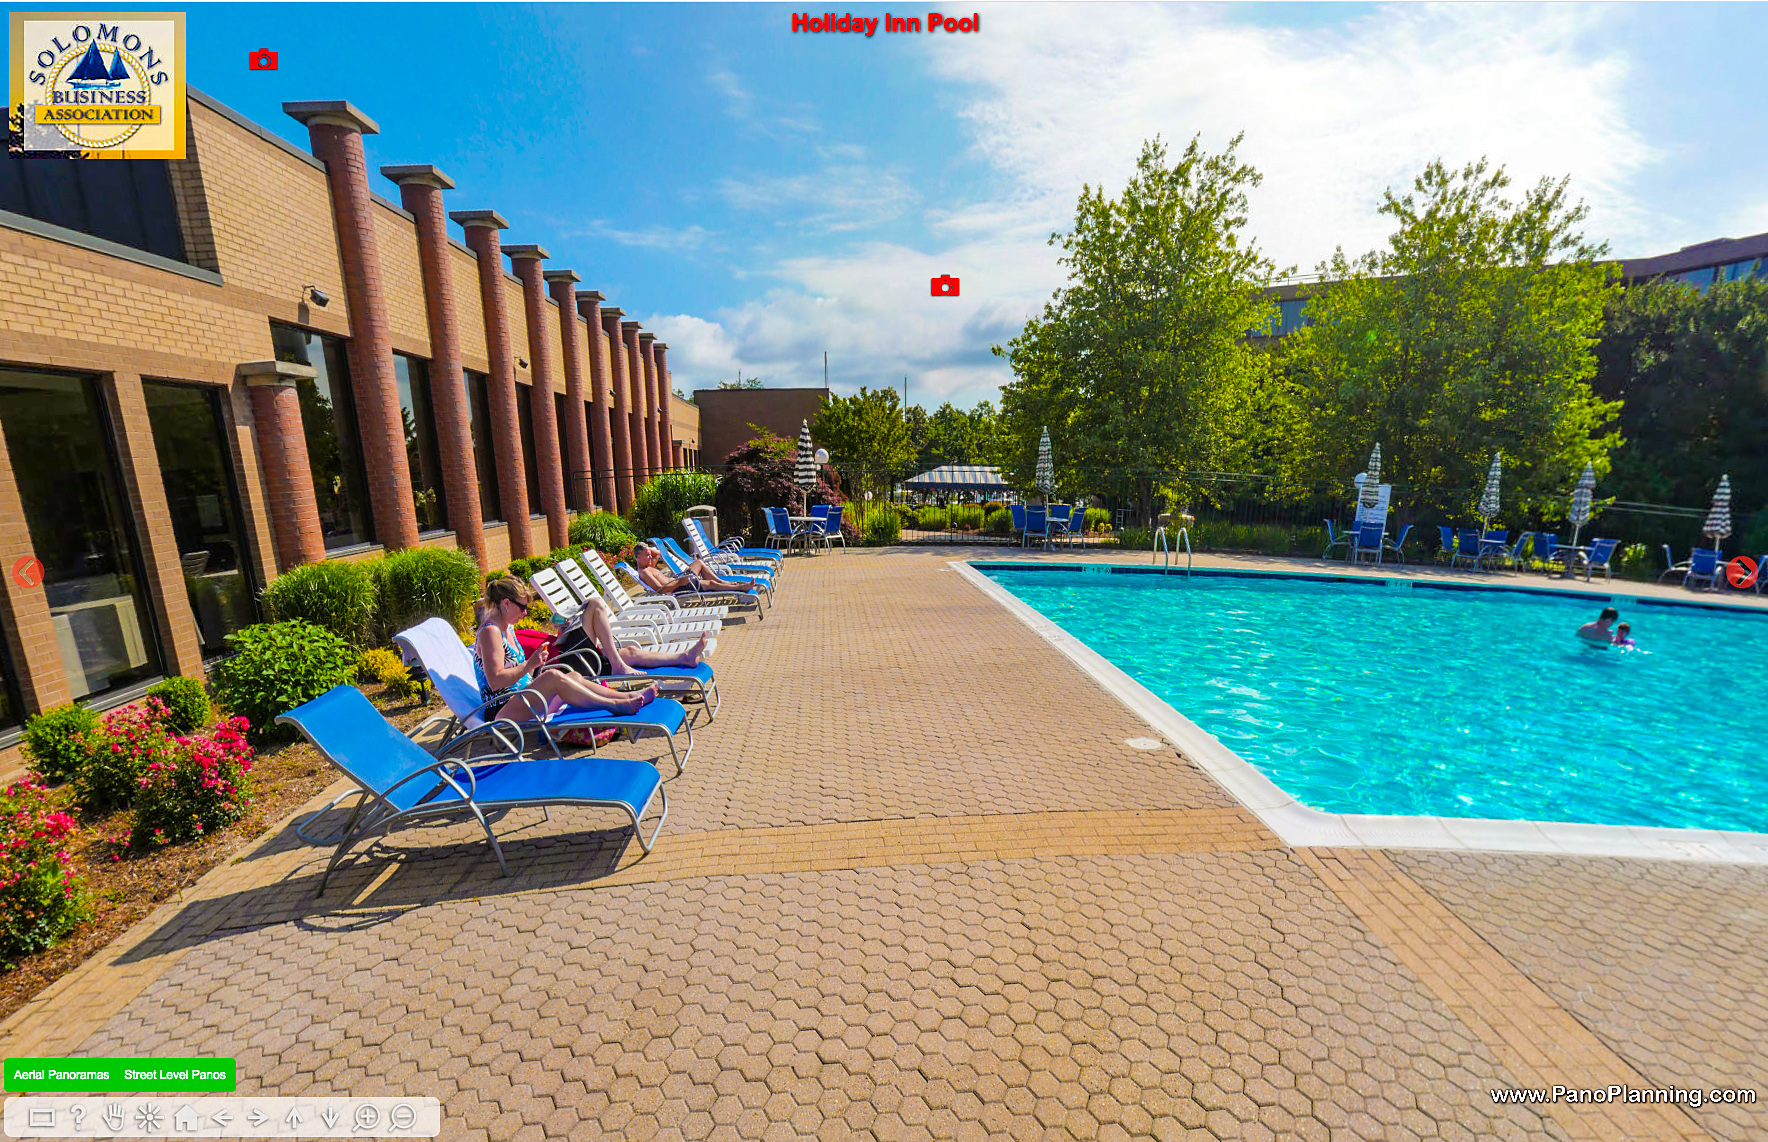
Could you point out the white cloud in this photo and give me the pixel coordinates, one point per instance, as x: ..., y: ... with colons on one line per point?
x: 650, y: 238
x: 1056, y: 96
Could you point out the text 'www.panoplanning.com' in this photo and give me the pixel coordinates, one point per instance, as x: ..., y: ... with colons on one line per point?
x: 1669, y: 1096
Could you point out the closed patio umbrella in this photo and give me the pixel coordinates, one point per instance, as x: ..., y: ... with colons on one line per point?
x: 1581, y: 498
x: 1718, y: 523
x: 1488, y: 503
x: 804, y: 475
x: 1371, y: 493
x: 1046, y: 467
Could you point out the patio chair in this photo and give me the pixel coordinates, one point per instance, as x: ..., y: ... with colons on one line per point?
x: 397, y: 782
x: 779, y: 527
x: 757, y: 571
x: 687, y: 621
x: 1446, y: 542
x: 1467, y: 546
x: 433, y: 645
x: 700, y: 541
x: 1601, y: 554
x: 1545, y: 547
x: 616, y: 594
x: 1037, y: 522
x: 1074, y: 528
x: 1398, y: 546
x: 1491, y: 547
x: 828, y: 528
x: 1018, y: 511
x: 1761, y: 571
x: 1704, y: 566
x: 1335, y: 538
x: 1513, y: 558
x: 1366, y: 540
x: 645, y: 627
x: 1671, y: 567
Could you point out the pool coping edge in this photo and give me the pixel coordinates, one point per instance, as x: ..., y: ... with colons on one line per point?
x: 1303, y: 826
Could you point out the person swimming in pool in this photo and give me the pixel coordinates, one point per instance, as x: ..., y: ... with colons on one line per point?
x: 1623, y: 639
x: 1598, y: 631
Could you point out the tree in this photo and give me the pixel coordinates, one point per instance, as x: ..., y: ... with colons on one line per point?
x: 741, y: 382
x: 865, y: 431
x: 1140, y: 365
x: 953, y: 436
x: 1471, y: 333
x: 757, y: 475
x: 1691, y: 371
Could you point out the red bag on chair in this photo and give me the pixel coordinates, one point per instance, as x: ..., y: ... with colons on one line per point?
x: 532, y: 640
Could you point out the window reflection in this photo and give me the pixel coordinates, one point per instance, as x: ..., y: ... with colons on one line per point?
x: 334, y: 448
x: 525, y: 424
x: 9, y: 703
x: 65, y: 465
x: 196, y: 464
x: 425, y: 460
x: 484, y: 456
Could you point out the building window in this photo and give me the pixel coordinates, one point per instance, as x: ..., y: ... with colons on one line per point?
x: 1291, y: 315
x: 190, y: 437
x: 1700, y: 279
x: 577, y: 490
x: 412, y: 375
x: 334, y: 447
x: 127, y: 201
x: 9, y: 703
x: 484, y: 455
x: 525, y: 423
x: 68, y: 481
x: 1749, y: 267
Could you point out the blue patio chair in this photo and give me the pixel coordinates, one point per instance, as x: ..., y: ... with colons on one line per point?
x: 1703, y: 566
x: 1514, y: 557
x: 1398, y: 546
x: 779, y: 528
x: 1491, y: 546
x: 701, y: 543
x: 1671, y: 567
x: 1366, y: 540
x: 1334, y: 538
x: 1036, y: 523
x: 397, y: 782
x: 828, y: 529
x: 1601, y: 554
x: 1075, y: 529
x: 1545, y: 548
x: 450, y: 667
x: 1467, y: 546
x: 675, y: 558
x: 1018, y: 511
x: 1761, y: 571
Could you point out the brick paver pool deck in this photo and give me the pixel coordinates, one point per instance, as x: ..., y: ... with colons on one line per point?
x: 916, y: 884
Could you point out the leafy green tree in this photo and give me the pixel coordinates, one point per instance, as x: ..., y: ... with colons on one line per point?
x: 1141, y: 364
x: 865, y: 431
x: 953, y: 436
x: 1472, y: 332
x: 1691, y: 371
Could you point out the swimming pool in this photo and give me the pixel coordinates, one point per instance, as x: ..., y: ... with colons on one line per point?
x: 1392, y: 696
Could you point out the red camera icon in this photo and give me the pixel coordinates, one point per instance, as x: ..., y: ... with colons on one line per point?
x: 945, y: 286
x: 262, y: 60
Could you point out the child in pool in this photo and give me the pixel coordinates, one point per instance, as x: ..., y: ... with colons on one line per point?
x: 1622, y: 639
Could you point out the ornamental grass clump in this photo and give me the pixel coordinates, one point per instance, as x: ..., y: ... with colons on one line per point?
x: 424, y: 582
x: 40, y: 898
x: 657, y: 509
x: 337, y: 596
x: 883, y: 527
x: 604, y: 531
x: 203, y: 785
x: 118, y: 752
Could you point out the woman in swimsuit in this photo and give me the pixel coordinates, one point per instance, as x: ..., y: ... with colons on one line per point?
x: 503, y: 669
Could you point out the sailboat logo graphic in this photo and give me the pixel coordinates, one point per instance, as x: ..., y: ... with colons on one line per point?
x: 91, y: 73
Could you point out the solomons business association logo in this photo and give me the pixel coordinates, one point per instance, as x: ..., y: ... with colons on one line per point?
x: 105, y: 86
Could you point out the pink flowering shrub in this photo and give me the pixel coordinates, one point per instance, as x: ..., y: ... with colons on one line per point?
x: 201, y: 785
x: 118, y: 752
x: 40, y: 898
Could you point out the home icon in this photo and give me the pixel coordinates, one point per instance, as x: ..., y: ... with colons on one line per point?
x: 186, y: 1120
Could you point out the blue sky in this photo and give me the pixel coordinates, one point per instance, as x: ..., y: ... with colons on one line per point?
x: 758, y: 196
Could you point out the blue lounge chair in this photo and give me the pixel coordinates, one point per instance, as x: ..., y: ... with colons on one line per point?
x: 450, y: 667
x: 1601, y: 554
x: 719, y: 563
x: 397, y: 782
x: 678, y: 564
x: 1704, y: 567
x: 1367, y: 540
x: 699, y: 539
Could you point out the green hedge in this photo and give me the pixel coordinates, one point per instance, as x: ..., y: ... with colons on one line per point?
x: 277, y: 666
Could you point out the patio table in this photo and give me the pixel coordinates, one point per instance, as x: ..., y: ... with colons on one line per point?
x: 1570, y: 556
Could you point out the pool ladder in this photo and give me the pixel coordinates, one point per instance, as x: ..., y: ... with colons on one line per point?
x: 1181, y: 534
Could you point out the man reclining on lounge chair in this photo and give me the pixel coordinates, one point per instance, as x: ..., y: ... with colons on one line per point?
x: 700, y: 577
x: 595, y: 632
x: 503, y: 669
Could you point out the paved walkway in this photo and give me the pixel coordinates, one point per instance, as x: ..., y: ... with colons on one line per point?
x: 915, y: 883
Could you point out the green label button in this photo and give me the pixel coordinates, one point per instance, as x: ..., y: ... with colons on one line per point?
x: 121, y: 1076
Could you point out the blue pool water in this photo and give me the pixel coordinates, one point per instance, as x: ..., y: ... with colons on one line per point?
x: 1366, y: 697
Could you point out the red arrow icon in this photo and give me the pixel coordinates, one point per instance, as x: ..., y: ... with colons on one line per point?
x: 1741, y: 572
x: 27, y: 572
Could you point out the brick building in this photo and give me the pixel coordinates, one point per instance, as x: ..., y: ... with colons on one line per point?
x: 215, y: 368
x: 729, y: 417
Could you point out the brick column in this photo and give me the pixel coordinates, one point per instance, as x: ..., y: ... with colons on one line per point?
x: 589, y: 304
x: 420, y: 191
x: 579, y: 486
x: 665, y: 398
x: 620, y: 423
x: 635, y: 380
x: 180, y: 646
x: 547, y: 462
x: 482, y: 228
x: 25, y: 622
x: 282, y: 458
x: 336, y: 129
x: 659, y: 449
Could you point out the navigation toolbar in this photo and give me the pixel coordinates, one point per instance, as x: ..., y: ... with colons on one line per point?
x: 161, y: 1116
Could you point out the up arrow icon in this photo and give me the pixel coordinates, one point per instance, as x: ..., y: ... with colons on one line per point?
x: 294, y: 1117
x: 329, y: 1116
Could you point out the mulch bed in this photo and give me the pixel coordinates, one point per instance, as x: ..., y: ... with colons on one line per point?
x: 123, y: 891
